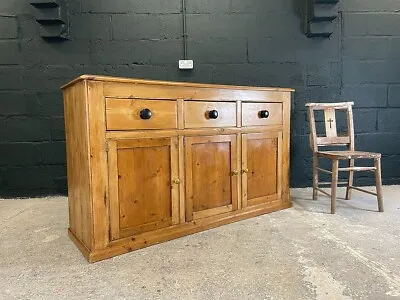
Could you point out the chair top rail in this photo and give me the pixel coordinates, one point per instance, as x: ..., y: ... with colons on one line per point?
x: 338, y: 105
x: 335, y: 140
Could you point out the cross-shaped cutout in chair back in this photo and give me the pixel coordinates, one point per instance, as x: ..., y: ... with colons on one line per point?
x: 331, y: 137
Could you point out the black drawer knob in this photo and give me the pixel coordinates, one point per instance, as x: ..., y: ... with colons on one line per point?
x: 145, y: 114
x: 263, y: 114
x: 213, y: 114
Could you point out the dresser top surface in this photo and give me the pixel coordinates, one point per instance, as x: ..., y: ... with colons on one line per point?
x: 170, y: 83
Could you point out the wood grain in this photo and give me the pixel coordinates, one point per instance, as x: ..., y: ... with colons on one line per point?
x: 330, y: 123
x: 239, y: 113
x: 286, y: 105
x: 251, y: 114
x: 144, y: 82
x: 175, y: 179
x: 347, y: 154
x: 335, y: 105
x: 113, y: 189
x: 181, y: 114
x: 151, y: 238
x: 196, y: 114
x: 315, y: 176
x: 181, y: 166
x: 262, y: 166
x: 262, y: 157
x: 87, y: 253
x: 176, y: 173
x: 350, y: 130
x: 350, y: 127
x: 146, y: 196
x: 238, y: 203
x: 210, y: 162
x: 332, y: 139
x: 124, y: 114
x: 212, y: 211
x: 154, y: 91
x: 78, y: 164
x: 191, y: 132
x: 211, y: 169
x: 335, y: 165
x: 378, y: 183
x: 98, y: 164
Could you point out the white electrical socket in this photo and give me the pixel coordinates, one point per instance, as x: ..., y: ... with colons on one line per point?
x: 186, y: 64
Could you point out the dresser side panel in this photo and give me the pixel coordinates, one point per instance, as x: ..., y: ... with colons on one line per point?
x: 98, y: 164
x: 78, y: 164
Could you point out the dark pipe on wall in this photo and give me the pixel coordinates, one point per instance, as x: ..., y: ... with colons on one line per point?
x: 184, y: 29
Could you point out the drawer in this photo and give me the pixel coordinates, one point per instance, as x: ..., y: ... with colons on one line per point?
x: 128, y: 114
x: 209, y: 114
x: 261, y: 114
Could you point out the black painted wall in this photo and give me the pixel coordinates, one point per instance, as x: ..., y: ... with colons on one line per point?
x: 252, y: 42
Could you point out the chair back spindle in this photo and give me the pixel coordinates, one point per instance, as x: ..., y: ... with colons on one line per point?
x: 330, y: 122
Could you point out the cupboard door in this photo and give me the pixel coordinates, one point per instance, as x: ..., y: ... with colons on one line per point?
x: 211, y: 175
x: 261, y: 167
x: 143, y: 185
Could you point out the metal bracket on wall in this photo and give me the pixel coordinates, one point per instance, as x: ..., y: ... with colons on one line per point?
x: 52, y: 16
x: 318, y: 16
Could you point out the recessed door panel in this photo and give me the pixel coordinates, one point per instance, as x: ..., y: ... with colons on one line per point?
x: 142, y: 190
x: 211, y: 175
x: 261, y: 167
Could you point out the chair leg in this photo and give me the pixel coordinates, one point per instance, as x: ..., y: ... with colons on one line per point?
x: 350, y: 180
x: 378, y: 183
x: 315, y: 177
x: 335, y: 166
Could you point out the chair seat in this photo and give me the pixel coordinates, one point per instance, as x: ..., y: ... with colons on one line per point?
x: 348, y: 154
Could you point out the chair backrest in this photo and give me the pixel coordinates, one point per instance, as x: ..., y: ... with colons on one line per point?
x: 331, y: 137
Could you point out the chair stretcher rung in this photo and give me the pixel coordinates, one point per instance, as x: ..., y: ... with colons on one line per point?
x: 333, y: 145
x: 330, y: 183
x: 357, y: 169
x: 323, y: 192
x: 323, y: 170
x: 362, y: 190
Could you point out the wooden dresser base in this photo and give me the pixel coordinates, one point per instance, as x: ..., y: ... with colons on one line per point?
x: 152, y: 161
x: 163, y: 235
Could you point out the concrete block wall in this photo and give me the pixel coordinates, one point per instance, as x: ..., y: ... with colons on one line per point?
x: 253, y: 42
x: 371, y: 76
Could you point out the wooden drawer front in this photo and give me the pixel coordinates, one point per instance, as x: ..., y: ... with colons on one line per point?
x: 252, y: 114
x: 125, y: 114
x: 197, y: 114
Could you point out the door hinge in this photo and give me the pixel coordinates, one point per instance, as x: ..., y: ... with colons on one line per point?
x: 106, y: 146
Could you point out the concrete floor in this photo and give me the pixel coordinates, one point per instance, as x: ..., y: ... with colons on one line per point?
x: 299, y: 253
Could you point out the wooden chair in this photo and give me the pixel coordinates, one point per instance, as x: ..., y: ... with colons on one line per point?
x: 331, y: 138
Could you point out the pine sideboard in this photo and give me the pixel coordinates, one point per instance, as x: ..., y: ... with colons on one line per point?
x: 150, y: 161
